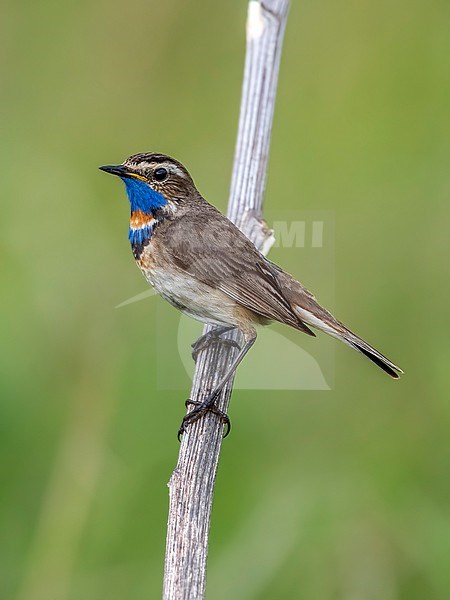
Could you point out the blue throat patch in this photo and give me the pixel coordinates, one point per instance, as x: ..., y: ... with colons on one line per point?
x: 142, y: 196
x: 144, y: 199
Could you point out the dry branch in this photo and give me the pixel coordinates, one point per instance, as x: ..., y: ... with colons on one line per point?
x: 192, y: 483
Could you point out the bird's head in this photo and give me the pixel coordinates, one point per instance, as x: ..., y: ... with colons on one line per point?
x: 154, y: 181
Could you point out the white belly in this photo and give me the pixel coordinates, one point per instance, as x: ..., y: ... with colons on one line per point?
x: 194, y: 298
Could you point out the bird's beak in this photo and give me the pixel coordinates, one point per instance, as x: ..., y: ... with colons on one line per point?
x: 119, y: 170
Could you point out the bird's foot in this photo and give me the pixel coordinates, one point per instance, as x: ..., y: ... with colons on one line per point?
x: 212, y: 337
x: 200, y: 409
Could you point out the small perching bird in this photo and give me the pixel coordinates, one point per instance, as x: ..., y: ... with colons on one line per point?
x: 201, y: 263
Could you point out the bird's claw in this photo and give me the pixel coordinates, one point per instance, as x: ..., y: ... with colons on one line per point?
x: 200, y: 409
x: 211, y: 337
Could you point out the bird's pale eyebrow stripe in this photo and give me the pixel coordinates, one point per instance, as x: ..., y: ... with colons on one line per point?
x: 176, y: 170
x: 171, y: 167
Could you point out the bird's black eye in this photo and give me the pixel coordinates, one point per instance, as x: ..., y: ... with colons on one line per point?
x: 160, y: 174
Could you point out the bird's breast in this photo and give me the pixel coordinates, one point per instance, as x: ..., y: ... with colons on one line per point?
x: 147, y: 258
x: 183, y: 290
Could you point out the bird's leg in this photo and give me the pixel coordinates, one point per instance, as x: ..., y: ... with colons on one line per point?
x: 211, y: 337
x: 208, y: 405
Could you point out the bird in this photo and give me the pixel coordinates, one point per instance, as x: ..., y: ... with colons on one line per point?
x: 203, y: 265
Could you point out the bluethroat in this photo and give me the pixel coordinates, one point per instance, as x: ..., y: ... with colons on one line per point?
x: 201, y: 263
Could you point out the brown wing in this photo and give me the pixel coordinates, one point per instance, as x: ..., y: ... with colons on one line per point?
x: 205, y: 244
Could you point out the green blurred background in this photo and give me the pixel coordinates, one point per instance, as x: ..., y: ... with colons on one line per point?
x: 338, y: 494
